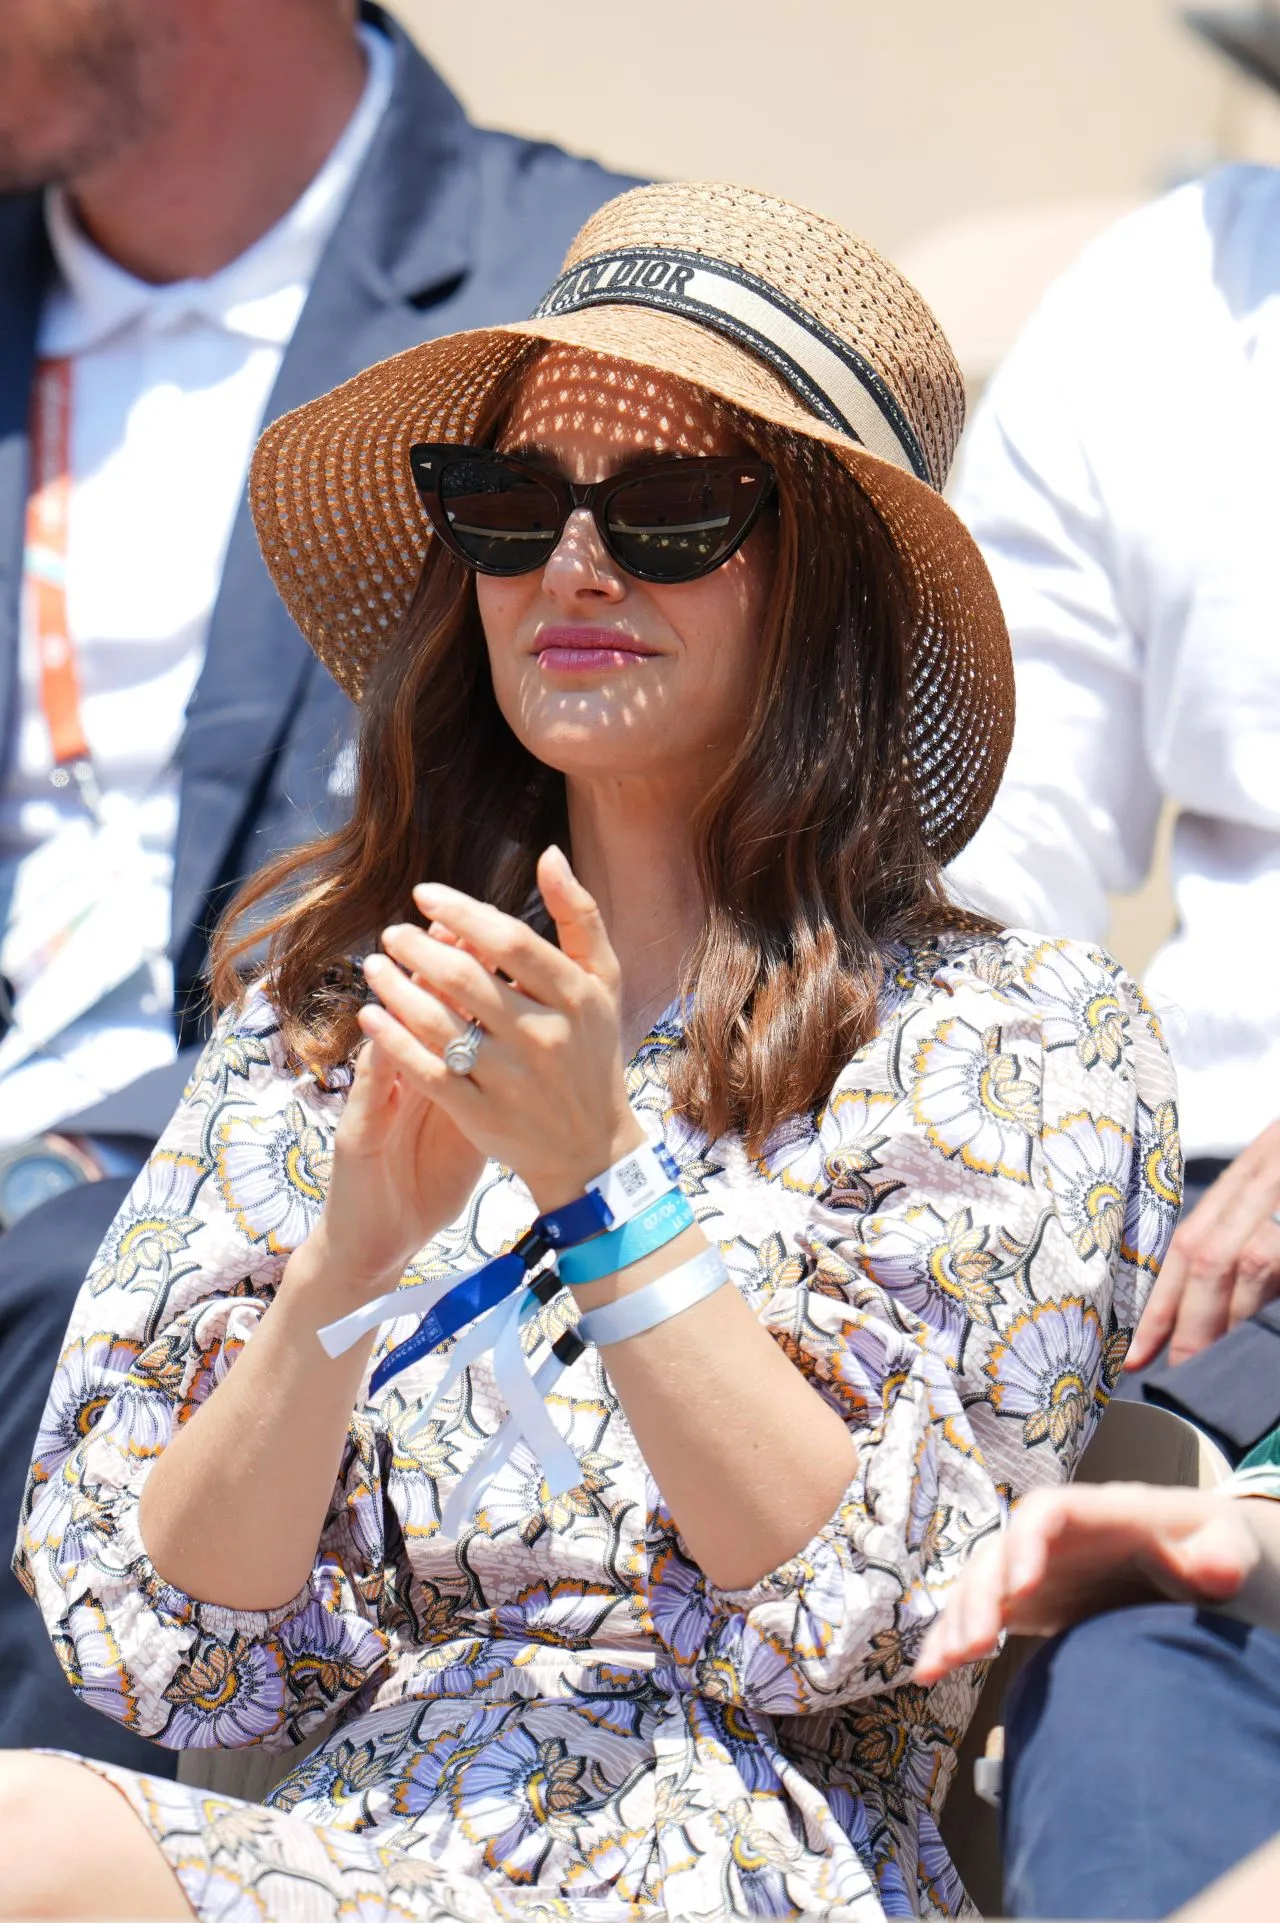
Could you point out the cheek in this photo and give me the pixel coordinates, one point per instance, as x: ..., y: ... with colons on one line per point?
x: 721, y: 618
x: 502, y: 605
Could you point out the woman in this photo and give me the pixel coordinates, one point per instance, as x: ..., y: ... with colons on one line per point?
x: 696, y: 613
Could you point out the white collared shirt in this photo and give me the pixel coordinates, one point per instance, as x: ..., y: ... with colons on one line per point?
x: 1122, y: 479
x: 170, y: 384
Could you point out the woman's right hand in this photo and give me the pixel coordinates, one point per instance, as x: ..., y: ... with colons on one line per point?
x: 401, y: 1172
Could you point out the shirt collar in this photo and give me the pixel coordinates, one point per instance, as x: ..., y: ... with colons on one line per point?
x: 259, y: 295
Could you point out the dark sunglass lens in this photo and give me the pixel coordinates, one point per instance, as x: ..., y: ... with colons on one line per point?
x: 671, y: 527
x: 503, y: 518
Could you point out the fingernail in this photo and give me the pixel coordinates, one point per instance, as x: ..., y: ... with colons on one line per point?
x: 560, y: 859
x: 372, y: 963
x: 426, y: 891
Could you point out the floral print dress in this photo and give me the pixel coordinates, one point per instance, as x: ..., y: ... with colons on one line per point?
x: 557, y: 1715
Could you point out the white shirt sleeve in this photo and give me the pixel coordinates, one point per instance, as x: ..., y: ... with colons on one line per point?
x: 1076, y: 814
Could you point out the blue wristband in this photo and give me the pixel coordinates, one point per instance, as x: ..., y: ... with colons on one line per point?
x: 669, y: 1296
x: 475, y: 1294
x: 661, y: 1222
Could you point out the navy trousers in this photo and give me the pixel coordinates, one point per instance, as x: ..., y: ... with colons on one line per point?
x: 43, y: 1260
x: 1142, y: 1761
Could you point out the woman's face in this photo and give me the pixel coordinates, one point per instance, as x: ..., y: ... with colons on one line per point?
x: 598, y: 674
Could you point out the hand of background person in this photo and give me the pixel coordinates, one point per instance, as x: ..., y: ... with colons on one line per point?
x: 1223, y: 1263
x: 1074, y: 1552
x: 401, y: 1171
x: 547, y: 1096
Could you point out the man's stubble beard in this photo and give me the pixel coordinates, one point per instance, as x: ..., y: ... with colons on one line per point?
x: 103, y: 110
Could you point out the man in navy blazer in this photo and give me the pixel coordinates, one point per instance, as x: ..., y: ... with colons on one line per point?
x: 445, y: 227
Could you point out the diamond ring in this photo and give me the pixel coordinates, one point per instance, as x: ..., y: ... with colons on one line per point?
x: 460, y: 1055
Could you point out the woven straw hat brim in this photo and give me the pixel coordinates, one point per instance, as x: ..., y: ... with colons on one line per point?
x: 344, y: 534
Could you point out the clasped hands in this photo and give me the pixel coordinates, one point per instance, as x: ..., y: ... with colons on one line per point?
x: 546, y: 1097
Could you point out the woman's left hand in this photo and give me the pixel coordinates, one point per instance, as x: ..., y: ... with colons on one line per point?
x: 547, y: 1095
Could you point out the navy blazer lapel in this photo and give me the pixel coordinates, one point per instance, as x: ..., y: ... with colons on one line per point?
x: 401, y: 243
x: 25, y: 267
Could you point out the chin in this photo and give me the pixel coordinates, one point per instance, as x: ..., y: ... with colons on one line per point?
x: 596, y: 757
x: 588, y: 729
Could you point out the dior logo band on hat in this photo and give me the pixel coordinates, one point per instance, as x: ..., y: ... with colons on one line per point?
x: 840, y: 387
x: 777, y: 312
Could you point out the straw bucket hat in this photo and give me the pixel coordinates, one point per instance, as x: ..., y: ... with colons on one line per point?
x: 1250, y: 37
x: 778, y: 311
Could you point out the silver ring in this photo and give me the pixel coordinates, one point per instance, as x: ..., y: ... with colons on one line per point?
x: 460, y: 1055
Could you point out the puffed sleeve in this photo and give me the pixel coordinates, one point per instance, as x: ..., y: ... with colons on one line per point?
x: 996, y: 1182
x: 180, y: 1284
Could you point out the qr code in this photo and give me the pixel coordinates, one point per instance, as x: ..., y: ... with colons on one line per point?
x: 631, y: 1178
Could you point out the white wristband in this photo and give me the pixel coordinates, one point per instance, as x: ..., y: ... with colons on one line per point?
x: 631, y: 1184
x: 669, y: 1296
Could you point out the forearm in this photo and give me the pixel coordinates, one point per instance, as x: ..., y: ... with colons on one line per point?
x: 233, y: 1510
x: 750, y: 1459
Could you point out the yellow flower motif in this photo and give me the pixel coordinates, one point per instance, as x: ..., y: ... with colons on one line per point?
x: 1080, y: 1007
x: 753, y: 1846
x: 1087, y: 1161
x: 1153, y: 1215
x: 976, y: 1101
x: 273, y: 1171
x: 1045, y: 1370
x: 155, y: 1225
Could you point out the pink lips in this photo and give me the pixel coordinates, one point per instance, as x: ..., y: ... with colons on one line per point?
x: 581, y: 650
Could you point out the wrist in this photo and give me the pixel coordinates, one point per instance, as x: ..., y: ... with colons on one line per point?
x: 333, y: 1276
x: 553, y: 1188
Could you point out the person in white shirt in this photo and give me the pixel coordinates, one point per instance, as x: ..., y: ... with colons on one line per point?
x: 1121, y: 479
x: 209, y: 214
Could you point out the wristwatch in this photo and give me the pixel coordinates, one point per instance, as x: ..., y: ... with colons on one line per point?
x: 37, y: 1171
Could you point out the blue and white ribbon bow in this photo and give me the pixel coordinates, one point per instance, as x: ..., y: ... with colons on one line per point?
x: 498, y: 1300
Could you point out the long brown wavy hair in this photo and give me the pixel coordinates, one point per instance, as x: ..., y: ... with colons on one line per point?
x: 809, y: 845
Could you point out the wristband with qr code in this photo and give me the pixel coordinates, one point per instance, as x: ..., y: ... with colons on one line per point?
x: 634, y: 1181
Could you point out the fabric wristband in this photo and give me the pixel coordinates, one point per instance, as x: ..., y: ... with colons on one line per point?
x: 447, y: 1305
x: 619, y: 1248
x: 631, y: 1184
x: 669, y: 1296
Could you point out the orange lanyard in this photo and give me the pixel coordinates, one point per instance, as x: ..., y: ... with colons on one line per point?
x: 44, y: 566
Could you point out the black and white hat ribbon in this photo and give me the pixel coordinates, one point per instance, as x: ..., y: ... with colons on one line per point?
x: 828, y: 375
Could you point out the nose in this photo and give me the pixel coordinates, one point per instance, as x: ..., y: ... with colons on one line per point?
x: 581, y: 568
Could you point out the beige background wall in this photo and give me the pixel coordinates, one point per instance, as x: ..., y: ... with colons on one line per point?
x: 979, y: 142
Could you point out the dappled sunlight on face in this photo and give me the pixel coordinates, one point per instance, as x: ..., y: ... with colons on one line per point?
x: 601, y: 675
x: 599, y: 412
